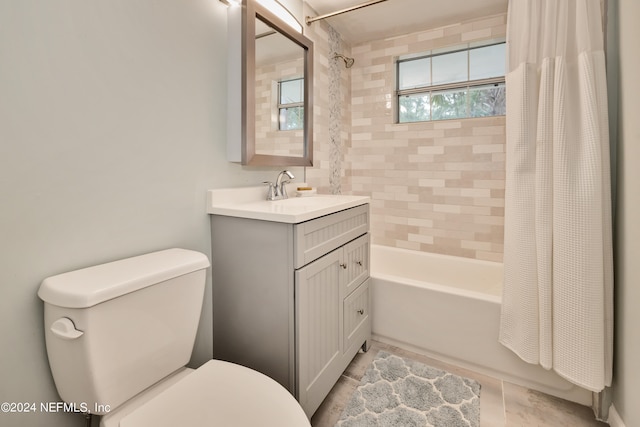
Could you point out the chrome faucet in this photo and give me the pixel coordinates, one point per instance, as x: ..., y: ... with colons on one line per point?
x: 281, y: 190
x: 278, y: 191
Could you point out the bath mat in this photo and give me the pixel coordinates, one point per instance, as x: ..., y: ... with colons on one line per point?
x: 399, y: 392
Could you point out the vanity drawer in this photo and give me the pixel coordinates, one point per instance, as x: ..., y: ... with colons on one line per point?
x: 356, y: 313
x: 313, y: 239
x: 355, y: 263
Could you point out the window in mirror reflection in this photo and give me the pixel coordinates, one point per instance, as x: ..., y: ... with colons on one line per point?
x: 291, y: 104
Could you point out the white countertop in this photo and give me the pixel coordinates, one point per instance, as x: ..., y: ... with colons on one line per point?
x: 250, y: 202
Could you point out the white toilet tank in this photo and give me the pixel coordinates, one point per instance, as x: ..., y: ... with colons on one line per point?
x: 115, y: 329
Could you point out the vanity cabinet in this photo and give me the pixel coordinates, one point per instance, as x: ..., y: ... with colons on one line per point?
x: 292, y: 300
x: 327, y: 314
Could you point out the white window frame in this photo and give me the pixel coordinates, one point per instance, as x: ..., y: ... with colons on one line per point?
x: 440, y: 88
x: 283, y: 106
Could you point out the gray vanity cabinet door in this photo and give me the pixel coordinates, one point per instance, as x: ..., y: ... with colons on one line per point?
x: 318, y: 296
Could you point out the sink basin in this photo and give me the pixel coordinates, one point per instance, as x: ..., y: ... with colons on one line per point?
x: 249, y: 202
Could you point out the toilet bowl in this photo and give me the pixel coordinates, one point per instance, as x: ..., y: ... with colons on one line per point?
x: 119, y: 336
x: 216, y: 394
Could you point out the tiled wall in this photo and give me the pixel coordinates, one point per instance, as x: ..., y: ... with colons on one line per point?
x: 270, y: 140
x: 332, y: 108
x: 435, y: 186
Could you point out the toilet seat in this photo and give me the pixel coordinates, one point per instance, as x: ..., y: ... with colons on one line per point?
x: 220, y: 394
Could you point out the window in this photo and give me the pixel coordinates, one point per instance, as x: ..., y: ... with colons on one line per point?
x: 456, y: 84
x: 291, y: 104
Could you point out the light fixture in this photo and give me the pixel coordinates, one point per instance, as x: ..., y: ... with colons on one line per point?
x: 276, y: 8
x: 282, y: 12
x: 232, y: 3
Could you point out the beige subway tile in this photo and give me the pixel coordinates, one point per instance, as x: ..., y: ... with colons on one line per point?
x: 497, y: 193
x: 490, y: 220
x: 408, y: 245
x: 370, y: 84
x: 407, y: 197
x: 397, y: 127
x: 498, y: 247
x: 499, y: 31
x: 489, y: 183
x: 477, y: 211
x: 428, y: 133
x: 421, y: 238
x: 390, y: 219
x: 373, y: 69
x: 479, y: 246
x: 381, y: 195
x: 427, y: 182
x: 396, y: 50
x: 447, y: 124
x: 420, y: 222
x: 433, y: 149
x: 416, y: 159
x: 488, y: 148
x: 447, y: 191
x: 450, y: 176
x: 448, y: 140
x: 452, y: 230
x: 488, y: 130
x: 489, y: 256
x: 488, y: 201
x: 494, y: 235
x: 475, y: 192
x: 360, y: 136
x: 460, y: 166
x: 460, y: 201
x: 362, y: 122
x: 453, y: 29
x: 476, y: 34
x: 405, y: 39
x: 395, y: 188
x: 453, y: 250
x: 430, y: 35
x: 499, y: 157
x: 447, y: 208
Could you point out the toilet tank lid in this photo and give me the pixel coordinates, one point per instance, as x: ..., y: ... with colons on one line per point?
x: 93, y: 285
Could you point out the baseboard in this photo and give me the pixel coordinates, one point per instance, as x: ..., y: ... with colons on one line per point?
x: 614, y: 418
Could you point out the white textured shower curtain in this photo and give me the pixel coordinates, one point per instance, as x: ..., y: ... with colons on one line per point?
x: 557, y: 308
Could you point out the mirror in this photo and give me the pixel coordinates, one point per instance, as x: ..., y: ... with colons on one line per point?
x: 279, y: 94
x: 276, y: 76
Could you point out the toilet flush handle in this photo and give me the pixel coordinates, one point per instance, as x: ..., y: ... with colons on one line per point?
x: 65, y: 329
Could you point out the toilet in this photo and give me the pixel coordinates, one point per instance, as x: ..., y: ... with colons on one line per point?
x: 119, y: 336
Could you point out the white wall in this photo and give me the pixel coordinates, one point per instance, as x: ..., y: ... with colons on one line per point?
x: 112, y: 128
x: 626, y: 393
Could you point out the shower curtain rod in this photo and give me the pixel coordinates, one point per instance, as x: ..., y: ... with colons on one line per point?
x: 309, y: 19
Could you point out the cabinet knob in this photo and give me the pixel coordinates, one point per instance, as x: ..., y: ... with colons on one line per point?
x: 361, y: 311
x: 343, y: 266
x: 359, y: 263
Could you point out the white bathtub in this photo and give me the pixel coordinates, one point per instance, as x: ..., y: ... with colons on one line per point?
x: 449, y: 308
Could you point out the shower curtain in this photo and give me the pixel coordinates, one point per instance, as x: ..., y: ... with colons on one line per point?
x: 557, y: 306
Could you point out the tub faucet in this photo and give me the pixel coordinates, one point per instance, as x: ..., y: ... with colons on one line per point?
x: 278, y: 191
